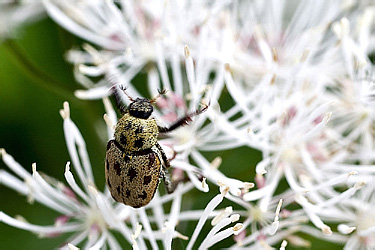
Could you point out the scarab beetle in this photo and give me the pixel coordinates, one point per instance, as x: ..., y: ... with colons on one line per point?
x: 135, y: 162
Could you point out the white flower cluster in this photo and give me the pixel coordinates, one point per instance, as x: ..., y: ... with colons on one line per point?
x: 301, y: 85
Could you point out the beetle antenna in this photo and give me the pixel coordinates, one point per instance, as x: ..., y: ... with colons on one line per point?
x: 123, y: 88
x: 161, y: 93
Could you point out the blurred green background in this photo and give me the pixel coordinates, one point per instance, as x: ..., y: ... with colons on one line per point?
x: 35, y: 80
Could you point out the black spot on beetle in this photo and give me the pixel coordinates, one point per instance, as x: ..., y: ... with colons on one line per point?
x: 139, y: 130
x: 127, y: 193
x: 146, y: 151
x: 118, y: 190
x: 151, y: 160
x: 109, y: 184
x: 117, y: 167
x: 139, y: 143
x: 123, y: 139
x: 132, y: 173
x: 128, y: 126
x: 118, y: 145
x: 143, y: 196
x: 126, y: 158
x: 146, y: 179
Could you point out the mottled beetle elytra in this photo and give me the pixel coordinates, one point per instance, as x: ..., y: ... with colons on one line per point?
x: 135, y: 162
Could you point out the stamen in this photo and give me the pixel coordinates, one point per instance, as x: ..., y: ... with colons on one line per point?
x: 283, y: 245
x: 72, y: 247
x: 275, y: 225
x: 93, y: 190
x: 181, y: 236
x: 135, y: 236
x: 224, y: 189
x: 108, y: 121
x: 209, y: 208
x: 204, y: 184
x: 93, y: 52
x: 137, y: 231
x: 223, y: 214
x: 326, y: 230
x: 345, y: 229
x: 65, y: 112
x: 237, y: 228
x: 247, y: 186
x: 299, y: 241
x: 359, y: 185
x: 275, y: 56
x: 186, y: 51
x: 341, y: 28
x: 33, y: 167
x: 216, y: 162
x: 227, y: 67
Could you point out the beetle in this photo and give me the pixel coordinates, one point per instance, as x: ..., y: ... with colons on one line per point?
x: 135, y: 162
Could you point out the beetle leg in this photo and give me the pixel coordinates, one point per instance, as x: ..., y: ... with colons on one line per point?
x: 116, y: 87
x: 169, y: 186
x: 182, y: 121
x: 163, y: 156
x: 116, y: 92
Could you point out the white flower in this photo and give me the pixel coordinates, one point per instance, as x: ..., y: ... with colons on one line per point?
x: 218, y: 222
x: 354, y: 117
x: 289, y: 131
x: 317, y: 205
x: 357, y: 218
x: 355, y: 89
x: 282, y: 41
x: 15, y: 14
x: 133, y: 35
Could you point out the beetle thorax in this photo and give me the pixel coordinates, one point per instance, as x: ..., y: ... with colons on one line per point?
x: 135, y: 134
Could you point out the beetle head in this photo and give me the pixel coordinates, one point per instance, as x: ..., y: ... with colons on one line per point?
x: 141, y: 108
